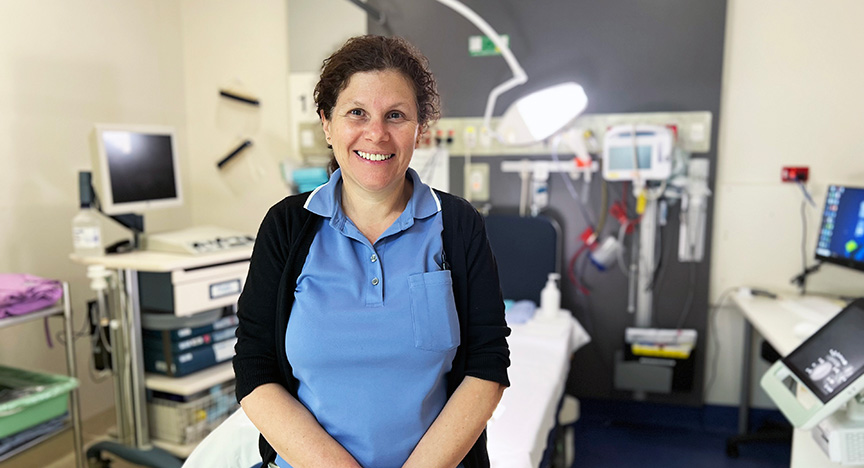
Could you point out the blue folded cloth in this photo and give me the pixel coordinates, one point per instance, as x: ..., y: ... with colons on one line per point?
x: 519, y: 312
x: 20, y: 438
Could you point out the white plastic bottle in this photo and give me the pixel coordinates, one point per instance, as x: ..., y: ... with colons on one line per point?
x: 550, y: 298
x: 87, y: 232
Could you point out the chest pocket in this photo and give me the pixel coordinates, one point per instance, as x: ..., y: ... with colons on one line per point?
x: 433, y: 311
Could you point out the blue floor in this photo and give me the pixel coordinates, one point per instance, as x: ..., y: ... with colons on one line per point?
x: 621, y: 435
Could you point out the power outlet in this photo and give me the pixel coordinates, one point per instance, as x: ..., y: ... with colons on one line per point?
x: 795, y: 174
x: 477, y: 182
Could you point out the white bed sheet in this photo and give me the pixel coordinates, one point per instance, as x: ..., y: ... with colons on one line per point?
x: 540, y: 361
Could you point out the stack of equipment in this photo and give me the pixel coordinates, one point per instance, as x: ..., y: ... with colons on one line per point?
x: 181, y: 351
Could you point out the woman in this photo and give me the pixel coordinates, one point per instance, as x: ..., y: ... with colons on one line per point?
x: 395, y: 351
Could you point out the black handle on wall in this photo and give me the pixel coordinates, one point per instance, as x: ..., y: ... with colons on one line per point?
x: 239, y: 97
x: 231, y: 155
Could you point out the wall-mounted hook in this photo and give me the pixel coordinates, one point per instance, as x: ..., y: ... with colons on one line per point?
x: 239, y: 97
x: 231, y: 155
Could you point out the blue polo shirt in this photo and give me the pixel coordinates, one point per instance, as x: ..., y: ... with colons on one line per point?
x: 374, y: 329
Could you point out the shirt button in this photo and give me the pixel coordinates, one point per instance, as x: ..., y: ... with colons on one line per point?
x: 374, y: 258
x: 374, y: 281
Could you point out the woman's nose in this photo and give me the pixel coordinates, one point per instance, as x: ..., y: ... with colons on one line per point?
x: 376, y: 130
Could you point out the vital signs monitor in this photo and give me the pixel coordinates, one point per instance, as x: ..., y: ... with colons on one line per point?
x: 637, y: 152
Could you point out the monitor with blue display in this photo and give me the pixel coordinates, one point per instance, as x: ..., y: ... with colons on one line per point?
x: 841, y: 236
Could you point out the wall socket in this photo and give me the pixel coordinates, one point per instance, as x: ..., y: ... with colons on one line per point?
x: 477, y: 182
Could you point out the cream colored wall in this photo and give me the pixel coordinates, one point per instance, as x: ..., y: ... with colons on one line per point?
x: 63, y: 67
x: 792, y: 95
x: 242, y: 46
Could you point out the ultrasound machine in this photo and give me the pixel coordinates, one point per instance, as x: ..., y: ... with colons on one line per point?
x: 819, y: 386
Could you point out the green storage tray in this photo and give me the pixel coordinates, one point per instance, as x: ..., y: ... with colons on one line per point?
x: 49, y: 402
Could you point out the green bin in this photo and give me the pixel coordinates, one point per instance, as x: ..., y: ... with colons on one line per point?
x: 48, y: 401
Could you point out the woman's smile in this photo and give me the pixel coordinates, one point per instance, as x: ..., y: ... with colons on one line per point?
x: 374, y: 156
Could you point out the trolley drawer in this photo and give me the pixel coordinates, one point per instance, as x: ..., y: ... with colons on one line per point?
x: 189, y: 291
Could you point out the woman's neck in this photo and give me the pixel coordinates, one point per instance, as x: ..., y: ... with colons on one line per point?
x: 374, y: 212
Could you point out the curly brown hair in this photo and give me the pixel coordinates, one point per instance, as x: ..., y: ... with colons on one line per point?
x: 378, y: 53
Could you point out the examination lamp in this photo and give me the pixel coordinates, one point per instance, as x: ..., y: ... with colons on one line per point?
x: 541, y: 114
x: 534, y: 117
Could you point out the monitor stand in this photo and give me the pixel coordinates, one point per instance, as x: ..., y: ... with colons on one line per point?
x: 801, y: 280
x: 133, y: 222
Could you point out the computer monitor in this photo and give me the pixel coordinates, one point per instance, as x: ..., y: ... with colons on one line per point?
x: 823, y: 373
x: 841, y: 237
x: 136, y: 168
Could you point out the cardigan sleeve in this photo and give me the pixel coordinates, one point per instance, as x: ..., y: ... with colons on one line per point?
x: 256, y: 358
x: 488, y: 355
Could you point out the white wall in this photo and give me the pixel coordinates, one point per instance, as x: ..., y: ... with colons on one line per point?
x: 792, y: 95
x: 63, y: 67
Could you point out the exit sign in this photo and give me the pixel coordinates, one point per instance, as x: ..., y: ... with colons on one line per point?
x: 481, y: 46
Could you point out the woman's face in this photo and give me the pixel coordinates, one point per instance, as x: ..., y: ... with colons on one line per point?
x: 373, y: 130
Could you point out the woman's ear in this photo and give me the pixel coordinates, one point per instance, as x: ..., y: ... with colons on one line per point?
x: 325, y: 125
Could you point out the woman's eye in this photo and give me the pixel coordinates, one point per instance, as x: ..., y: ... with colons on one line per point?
x: 395, y: 115
x: 355, y: 112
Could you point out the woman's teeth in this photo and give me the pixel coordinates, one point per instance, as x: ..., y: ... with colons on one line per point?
x: 373, y: 156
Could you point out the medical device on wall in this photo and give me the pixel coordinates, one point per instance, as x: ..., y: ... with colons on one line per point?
x: 841, y: 237
x: 824, y: 374
x: 637, y: 152
x: 136, y: 168
x: 694, y: 212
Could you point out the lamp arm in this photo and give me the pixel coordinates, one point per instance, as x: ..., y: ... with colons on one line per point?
x: 519, y: 76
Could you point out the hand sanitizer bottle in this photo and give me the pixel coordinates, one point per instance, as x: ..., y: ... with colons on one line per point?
x: 86, y: 225
x: 550, y: 298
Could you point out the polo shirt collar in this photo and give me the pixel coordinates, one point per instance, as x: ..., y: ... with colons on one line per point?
x: 326, y: 200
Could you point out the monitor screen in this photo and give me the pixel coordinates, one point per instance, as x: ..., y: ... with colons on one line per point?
x: 832, y: 358
x: 137, y: 168
x: 841, y: 237
x: 621, y: 158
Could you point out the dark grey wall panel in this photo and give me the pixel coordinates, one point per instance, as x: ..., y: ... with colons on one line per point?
x: 630, y: 56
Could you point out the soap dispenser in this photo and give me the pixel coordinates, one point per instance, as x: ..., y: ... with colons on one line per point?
x: 550, y: 298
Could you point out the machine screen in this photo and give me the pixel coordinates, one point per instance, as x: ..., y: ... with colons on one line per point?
x: 141, y: 166
x: 833, y: 357
x: 621, y: 158
x: 841, y: 239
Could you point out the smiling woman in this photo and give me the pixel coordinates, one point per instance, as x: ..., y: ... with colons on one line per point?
x: 387, y: 351
x: 373, y: 131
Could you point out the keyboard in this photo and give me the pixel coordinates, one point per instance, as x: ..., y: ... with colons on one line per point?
x: 198, y: 240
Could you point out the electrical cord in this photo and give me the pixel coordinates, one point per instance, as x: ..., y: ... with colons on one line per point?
x: 604, y: 205
x: 587, y: 214
x: 622, y: 264
x: 688, y: 301
x: 804, y: 245
x: 570, y: 270
x: 712, y: 333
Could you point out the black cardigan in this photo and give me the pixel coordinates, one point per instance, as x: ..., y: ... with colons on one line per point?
x: 283, y: 242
